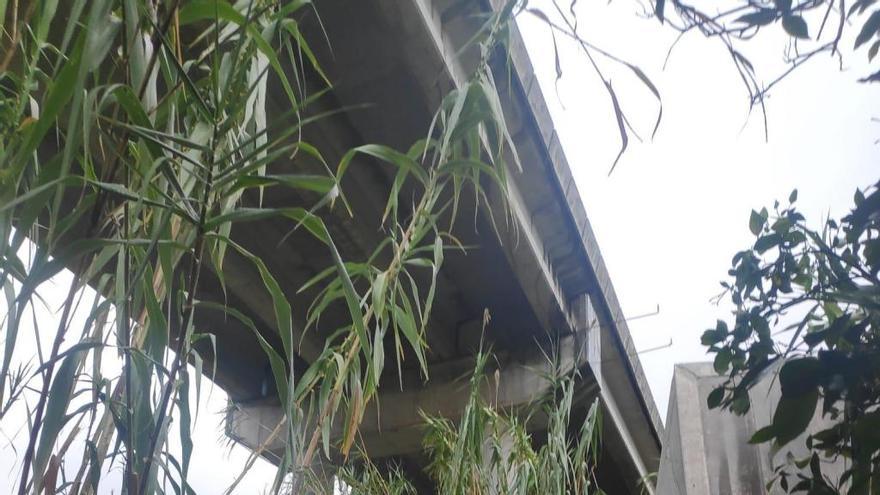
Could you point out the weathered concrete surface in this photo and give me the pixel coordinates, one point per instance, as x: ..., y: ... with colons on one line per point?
x: 706, y: 452
x: 392, y: 425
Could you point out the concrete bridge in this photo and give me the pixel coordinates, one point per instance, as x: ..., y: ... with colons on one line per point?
x: 541, y: 274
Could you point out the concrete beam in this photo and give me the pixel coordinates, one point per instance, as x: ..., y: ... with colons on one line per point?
x: 628, y: 376
x: 392, y: 424
x: 617, y: 426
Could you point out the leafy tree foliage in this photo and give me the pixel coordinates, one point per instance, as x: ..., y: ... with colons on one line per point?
x: 808, y: 302
x: 813, y: 28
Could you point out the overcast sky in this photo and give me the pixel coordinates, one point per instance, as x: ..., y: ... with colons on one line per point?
x: 676, y: 209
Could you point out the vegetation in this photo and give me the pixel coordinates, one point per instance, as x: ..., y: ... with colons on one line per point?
x: 805, y: 300
x: 490, y: 452
x: 820, y: 290
x: 813, y: 28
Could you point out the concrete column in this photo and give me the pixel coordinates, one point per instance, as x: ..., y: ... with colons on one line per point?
x: 498, y: 450
x: 588, y: 334
x: 259, y: 426
x: 317, y: 479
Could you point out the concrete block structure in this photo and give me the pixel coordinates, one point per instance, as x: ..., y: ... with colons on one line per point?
x: 707, y: 452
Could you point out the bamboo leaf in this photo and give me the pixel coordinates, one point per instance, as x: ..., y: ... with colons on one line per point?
x: 293, y: 28
x: 438, y: 262
x: 618, y: 113
x: 352, y: 301
x: 37, y: 191
x: 185, y: 427
x: 283, y: 312
x: 276, y: 363
x: 63, y: 87
x: 209, y: 9
x: 378, y: 294
x: 385, y: 154
x: 60, y: 394
x: 11, y: 334
x: 405, y: 322
x: 302, y: 216
x: 317, y: 183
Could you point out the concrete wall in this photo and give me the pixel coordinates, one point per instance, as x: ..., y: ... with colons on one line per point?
x: 707, y: 451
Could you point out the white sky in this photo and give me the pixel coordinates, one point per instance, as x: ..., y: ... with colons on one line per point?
x: 676, y: 209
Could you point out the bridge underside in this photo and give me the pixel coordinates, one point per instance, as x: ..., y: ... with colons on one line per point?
x: 539, y: 274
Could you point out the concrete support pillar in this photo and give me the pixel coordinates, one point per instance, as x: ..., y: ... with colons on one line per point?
x: 317, y: 479
x: 496, y: 457
x: 259, y: 426
x: 588, y: 334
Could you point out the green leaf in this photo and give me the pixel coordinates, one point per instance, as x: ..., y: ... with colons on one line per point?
x: 185, y: 426
x: 800, y: 376
x: 781, y: 225
x: 212, y: 9
x: 796, y: 26
x: 135, y: 111
x: 378, y: 294
x: 11, y: 329
x: 722, y: 361
x: 280, y: 305
x: 756, y: 222
x: 386, y: 154
x: 490, y: 93
x: 872, y: 52
x: 94, y: 475
x: 621, y: 126
x: 352, y: 301
x: 767, y: 242
x: 293, y: 28
x: 276, y: 363
x: 653, y: 89
x: 715, y: 397
x: 793, y: 196
x: 710, y: 337
x: 793, y: 415
x: 459, y: 97
x: 869, y: 29
x: 740, y: 404
x: 804, y: 280
x: 438, y: 262
x: 303, y: 217
x: 317, y: 183
x: 63, y: 87
x: 765, y: 434
x: 125, y: 193
x: 404, y: 320
x: 36, y: 191
x: 659, y: 6
x: 761, y: 17
x: 60, y: 394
